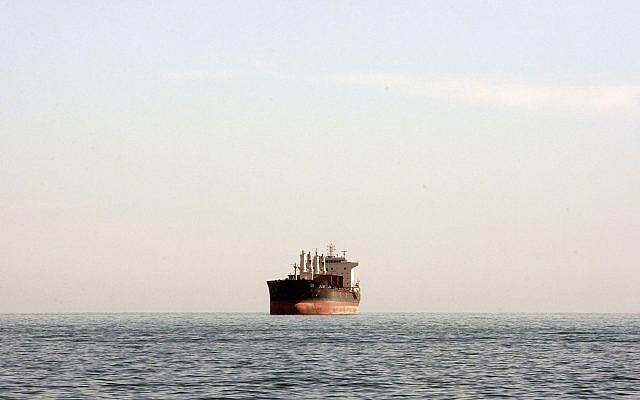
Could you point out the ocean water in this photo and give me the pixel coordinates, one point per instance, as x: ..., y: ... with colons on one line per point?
x: 258, y: 356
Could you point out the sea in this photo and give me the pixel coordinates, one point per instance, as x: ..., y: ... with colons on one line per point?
x: 364, y: 356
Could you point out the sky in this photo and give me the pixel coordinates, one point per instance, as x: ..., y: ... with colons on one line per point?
x: 173, y: 156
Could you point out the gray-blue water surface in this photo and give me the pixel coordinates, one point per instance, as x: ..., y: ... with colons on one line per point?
x: 247, y: 356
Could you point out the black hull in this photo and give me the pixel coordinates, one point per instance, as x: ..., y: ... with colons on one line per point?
x: 311, y: 297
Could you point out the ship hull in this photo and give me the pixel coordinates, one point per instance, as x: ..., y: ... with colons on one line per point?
x: 317, y: 297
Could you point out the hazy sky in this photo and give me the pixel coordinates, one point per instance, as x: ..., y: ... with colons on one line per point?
x: 473, y: 156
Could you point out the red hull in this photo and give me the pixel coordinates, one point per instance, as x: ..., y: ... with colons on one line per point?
x: 312, y: 307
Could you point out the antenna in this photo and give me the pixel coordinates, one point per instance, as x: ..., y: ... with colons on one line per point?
x: 331, y: 248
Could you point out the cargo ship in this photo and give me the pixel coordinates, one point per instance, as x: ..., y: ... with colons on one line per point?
x: 319, y: 285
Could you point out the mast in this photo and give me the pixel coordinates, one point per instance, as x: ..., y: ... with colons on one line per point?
x: 331, y: 249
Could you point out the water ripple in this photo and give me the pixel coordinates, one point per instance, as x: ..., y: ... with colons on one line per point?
x: 247, y: 356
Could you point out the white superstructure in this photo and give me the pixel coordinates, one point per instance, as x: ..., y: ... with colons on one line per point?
x: 318, y: 264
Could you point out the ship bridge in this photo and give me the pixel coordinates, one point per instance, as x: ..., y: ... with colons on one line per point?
x: 331, y: 264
